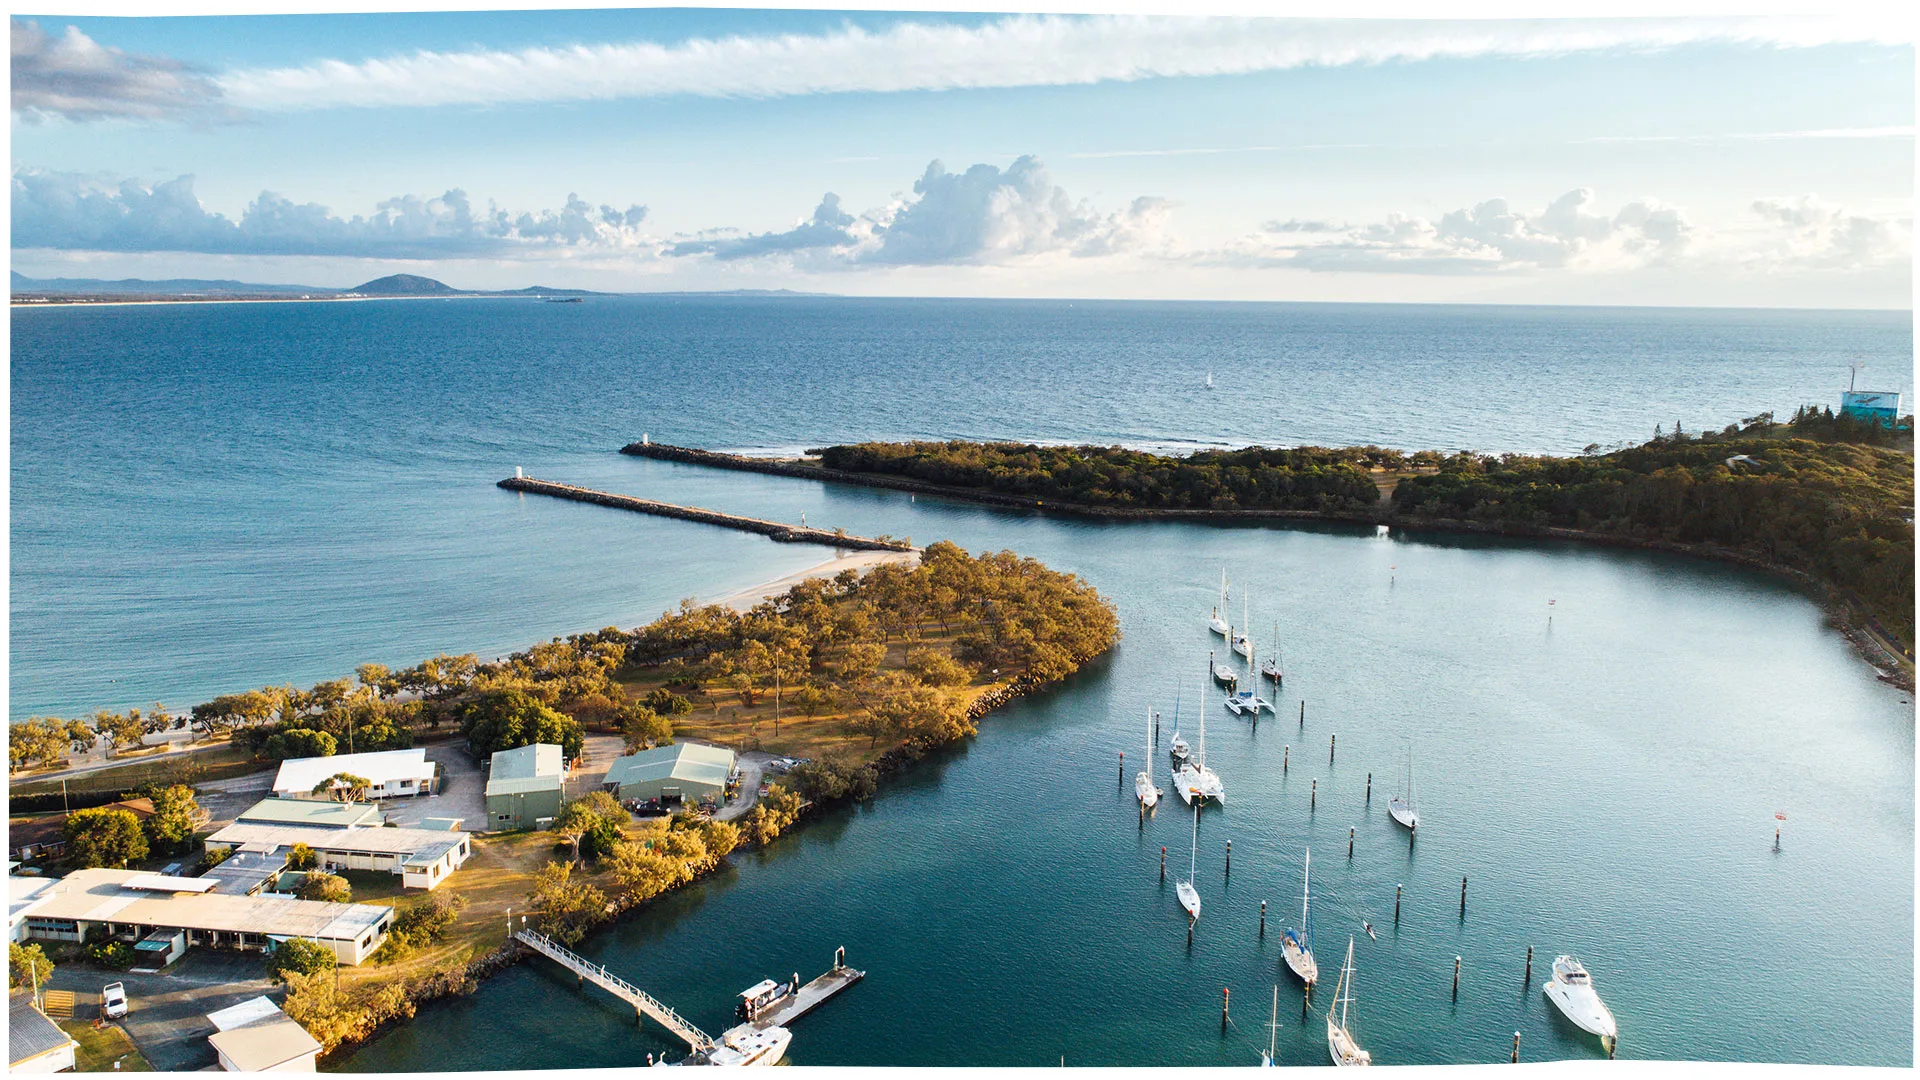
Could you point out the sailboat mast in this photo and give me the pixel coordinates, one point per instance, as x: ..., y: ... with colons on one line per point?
x: 1203, y: 721
x: 1193, y: 853
x: 1306, y: 890
x: 1273, y: 1027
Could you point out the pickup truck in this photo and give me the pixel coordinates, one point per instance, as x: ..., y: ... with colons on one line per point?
x: 113, y: 1000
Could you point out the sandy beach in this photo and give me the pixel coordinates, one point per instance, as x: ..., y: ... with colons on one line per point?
x: 852, y: 560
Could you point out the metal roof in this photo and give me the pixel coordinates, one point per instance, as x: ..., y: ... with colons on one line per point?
x: 682, y: 761
x: 247, y: 1012
x: 300, y: 775
x: 379, y: 840
x: 102, y: 896
x: 265, y: 1044
x: 539, y: 767
x: 163, y: 883
x: 29, y: 1032
x: 332, y: 815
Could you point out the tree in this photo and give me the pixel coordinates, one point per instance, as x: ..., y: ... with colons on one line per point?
x: 935, y: 668
x: 812, y: 700
x: 667, y: 703
x: 300, y: 743
x: 573, y: 824
x: 506, y: 719
x: 175, y: 815
x: 80, y: 736
x: 343, y: 787
x: 104, y: 836
x: 37, y: 741
x: 27, y: 965
x: 568, y: 908
x: 302, y: 858
x: 299, y: 956
x: 322, y: 886
x: 644, y: 727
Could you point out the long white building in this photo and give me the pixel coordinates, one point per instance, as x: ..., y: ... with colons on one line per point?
x: 390, y: 774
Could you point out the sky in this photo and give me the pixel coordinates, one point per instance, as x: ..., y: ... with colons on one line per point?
x: 1725, y: 160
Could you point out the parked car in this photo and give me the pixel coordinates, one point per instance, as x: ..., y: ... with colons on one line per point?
x: 113, y: 1000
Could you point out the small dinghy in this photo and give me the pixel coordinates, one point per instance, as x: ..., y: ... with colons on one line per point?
x: 1571, y: 989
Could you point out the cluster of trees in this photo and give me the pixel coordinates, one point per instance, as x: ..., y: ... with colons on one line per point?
x: 335, y: 1013
x: 320, y: 885
x: 423, y: 924
x: 591, y: 825
x: 772, y: 815
x: 27, y: 965
x: 115, y: 836
x: 1841, y: 512
x: 299, y: 956
x: 823, y: 644
x: 834, y: 777
x: 1307, y: 478
x: 43, y: 740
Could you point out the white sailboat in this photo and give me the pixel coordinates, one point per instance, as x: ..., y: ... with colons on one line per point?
x: 1571, y: 988
x: 1178, y: 749
x: 1271, y: 667
x: 1218, y: 623
x: 1401, y: 805
x: 1340, y: 1042
x: 1190, y: 896
x: 1296, y: 946
x: 1242, y: 644
x: 1248, y: 701
x: 1273, y: 1030
x: 1143, y: 786
x: 1193, y: 780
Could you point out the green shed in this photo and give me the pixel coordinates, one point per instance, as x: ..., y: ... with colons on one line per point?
x: 524, y: 786
x: 683, y: 772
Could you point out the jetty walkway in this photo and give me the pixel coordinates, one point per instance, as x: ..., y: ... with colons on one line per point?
x: 774, y: 530
x: 643, y: 1003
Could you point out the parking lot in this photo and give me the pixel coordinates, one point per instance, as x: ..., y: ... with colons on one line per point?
x: 167, y: 1014
x: 463, y: 791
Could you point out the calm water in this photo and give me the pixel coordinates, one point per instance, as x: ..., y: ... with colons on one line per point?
x: 211, y: 498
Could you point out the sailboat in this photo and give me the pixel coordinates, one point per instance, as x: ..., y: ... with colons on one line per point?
x: 1178, y: 749
x: 1209, y: 378
x: 1242, y: 644
x: 1193, y: 780
x: 1571, y: 988
x: 1339, y: 1037
x: 1270, y: 667
x: 1401, y: 805
x: 1143, y: 786
x: 1248, y: 700
x: 1296, y: 946
x: 1190, y: 896
x: 1273, y: 1030
x: 1218, y: 623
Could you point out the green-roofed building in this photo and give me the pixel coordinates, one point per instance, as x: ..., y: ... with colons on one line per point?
x: 683, y: 772
x: 525, y: 786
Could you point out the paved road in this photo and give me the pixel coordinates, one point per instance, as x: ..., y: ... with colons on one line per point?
x: 167, y: 1014
x: 753, y: 765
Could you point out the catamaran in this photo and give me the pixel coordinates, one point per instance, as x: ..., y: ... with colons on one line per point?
x: 1340, y: 1041
x: 1192, y: 779
x: 1401, y: 805
x: 1296, y: 946
x: 1244, y: 702
x: 1190, y: 896
x: 1143, y: 785
x: 1571, y: 988
x: 1218, y: 623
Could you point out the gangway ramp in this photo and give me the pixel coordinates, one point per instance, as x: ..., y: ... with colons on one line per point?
x: 643, y: 1003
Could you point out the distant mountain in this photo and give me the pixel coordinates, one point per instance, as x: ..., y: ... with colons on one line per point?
x: 407, y: 285
x: 166, y: 287
x: 545, y: 290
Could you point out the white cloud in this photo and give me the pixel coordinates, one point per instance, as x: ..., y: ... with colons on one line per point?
x: 68, y: 211
x: 74, y: 77
x: 1807, y: 232
x: 1021, y: 50
x: 1489, y: 237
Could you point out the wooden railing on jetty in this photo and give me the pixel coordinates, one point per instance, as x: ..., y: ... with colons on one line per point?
x: 643, y: 1003
x: 773, y: 530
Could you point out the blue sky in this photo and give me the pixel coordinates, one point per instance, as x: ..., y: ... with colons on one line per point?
x: 1703, y: 161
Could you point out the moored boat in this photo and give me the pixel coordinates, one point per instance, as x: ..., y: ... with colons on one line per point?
x: 1143, y: 786
x: 1571, y: 988
x: 1401, y: 805
x: 1188, y: 895
x: 1340, y: 1041
x: 1296, y: 945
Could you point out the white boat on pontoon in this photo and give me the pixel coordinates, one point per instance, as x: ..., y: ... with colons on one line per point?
x: 742, y: 1046
x: 1296, y: 945
x: 1192, y: 779
x: 1218, y: 623
x: 1143, y: 786
x: 1340, y: 1041
x: 1401, y: 805
x: 1188, y: 895
x: 1571, y: 988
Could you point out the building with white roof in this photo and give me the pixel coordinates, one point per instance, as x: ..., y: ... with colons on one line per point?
x: 422, y: 857
x: 255, y: 1036
x: 131, y: 904
x: 389, y: 773
x: 23, y: 895
x: 525, y: 786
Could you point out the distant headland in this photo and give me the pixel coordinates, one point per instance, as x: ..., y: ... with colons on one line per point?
x: 28, y: 291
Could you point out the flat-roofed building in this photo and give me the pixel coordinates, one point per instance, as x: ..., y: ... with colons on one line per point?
x: 23, y: 895
x: 422, y: 857
x: 683, y: 772
x: 255, y: 1036
x: 131, y: 904
x: 525, y: 785
x: 308, y: 812
x: 389, y: 774
x: 35, y: 1044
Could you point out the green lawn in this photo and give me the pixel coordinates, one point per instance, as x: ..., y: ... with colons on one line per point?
x: 101, y: 1048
